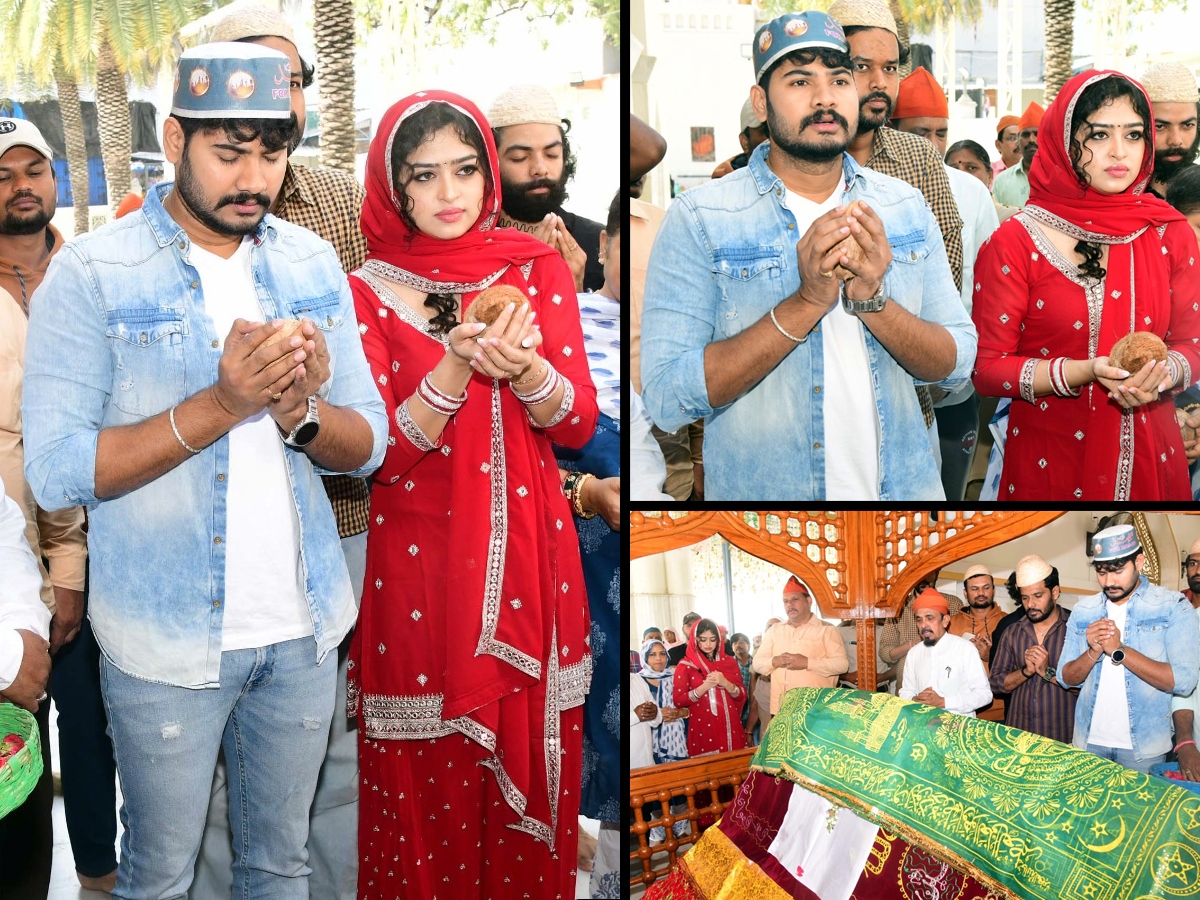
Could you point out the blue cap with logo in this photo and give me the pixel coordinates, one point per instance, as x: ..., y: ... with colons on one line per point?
x: 1115, y: 543
x: 230, y: 80
x: 796, y: 31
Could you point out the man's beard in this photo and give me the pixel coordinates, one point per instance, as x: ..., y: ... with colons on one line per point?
x: 193, y: 198
x: 1026, y: 163
x: 523, y: 206
x: 1165, y: 169
x: 1035, y: 615
x: 800, y: 149
x: 981, y: 602
x: 1124, y: 592
x: 870, y: 121
x: 929, y: 641
x: 1194, y: 584
x: 15, y: 224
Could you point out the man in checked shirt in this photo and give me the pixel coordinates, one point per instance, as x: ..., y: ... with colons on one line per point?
x: 327, y: 202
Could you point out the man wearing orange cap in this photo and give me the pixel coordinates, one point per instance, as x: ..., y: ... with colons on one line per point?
x: 943, y: 670
x: 1012, y: 185
x: 1006, y: 143
x: 801, y: 652
x: 921, y: 109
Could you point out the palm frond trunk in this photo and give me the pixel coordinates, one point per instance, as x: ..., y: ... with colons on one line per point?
x: 112, y: 113
x: 333, y: 32
x: 77, y: 162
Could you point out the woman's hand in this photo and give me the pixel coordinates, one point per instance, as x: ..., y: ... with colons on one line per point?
x: 603, y: 496
x: 509, y: 350
x: 1187, y: 420
x: 1139, y: 388
x: 462, y: 341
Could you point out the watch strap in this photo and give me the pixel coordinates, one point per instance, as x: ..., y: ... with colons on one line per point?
x: 875, y: 304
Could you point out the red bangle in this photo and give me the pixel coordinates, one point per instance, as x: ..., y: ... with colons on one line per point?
x: 1184, y: 744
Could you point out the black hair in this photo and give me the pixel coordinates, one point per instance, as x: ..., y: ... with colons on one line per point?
x: 307, y: 73
x: 706, y: 626
x: 830, y: 59
x: 1014, y: 592
x: 1115, y: 565
x: 855, y: 29
x: 569, y: 160
x: 275, y: 134
x: 612, y: 227
x: 413, y: 132
x: 733, y: 638
x: 1183, y: 191
x: 1093, y: 97
x: 973, y: 148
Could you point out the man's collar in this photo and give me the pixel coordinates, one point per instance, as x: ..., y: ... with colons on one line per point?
x: 294, y: 186
x: 882, y: 144
x: 765, y: 180
x: 166, y: 230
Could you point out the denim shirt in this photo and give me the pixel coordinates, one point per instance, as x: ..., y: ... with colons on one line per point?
x: 118, y: 333
x: 1159, y: 624
x: 724, y: 255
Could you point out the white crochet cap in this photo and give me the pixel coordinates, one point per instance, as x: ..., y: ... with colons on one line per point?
x: 1032, y: 569
x: 1170, y: 82
x: 867, y: 13
x: 523, y: 104
x: 252, y: 22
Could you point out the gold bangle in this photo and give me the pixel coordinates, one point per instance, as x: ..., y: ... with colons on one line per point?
x: 577, y: 497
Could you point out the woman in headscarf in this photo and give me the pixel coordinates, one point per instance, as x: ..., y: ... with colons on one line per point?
x: 1090, y: 259
x: 670, y: 738
x: 708, y: 683
x: 471, y: 659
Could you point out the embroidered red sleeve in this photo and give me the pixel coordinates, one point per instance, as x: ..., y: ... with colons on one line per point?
x: 1001, y: 299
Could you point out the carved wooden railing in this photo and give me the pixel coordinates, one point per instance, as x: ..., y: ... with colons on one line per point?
x: 858, y: 564
x: 720, y: 775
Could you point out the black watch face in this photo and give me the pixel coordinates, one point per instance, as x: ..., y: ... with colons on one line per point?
x: 1118, y: 656
x: 306, y: 434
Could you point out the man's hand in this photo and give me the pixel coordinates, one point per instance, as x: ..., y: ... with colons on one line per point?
x: 250, y: 373
x: 1113, y: 640
x: 930, y: 697
x: 867, y: 229
x: 982, y: 640
x: 68, y: 617
x: 794, y: 661
x: 29, y: 686
x: 818, y: 287
x: 670, y: 714
x: 292, y: 406
x: 1097, y: 633
x: 1191, y: 421
x: 1036, y: 659
x: 1189, y: 762
x: 568, y: 248
x: 646, y: 711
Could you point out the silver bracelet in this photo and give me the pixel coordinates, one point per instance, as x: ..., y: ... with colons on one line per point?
x: 186, y: 446
x: 794, y: 340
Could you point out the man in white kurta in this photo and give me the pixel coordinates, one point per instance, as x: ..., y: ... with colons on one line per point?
x: 943, y: 670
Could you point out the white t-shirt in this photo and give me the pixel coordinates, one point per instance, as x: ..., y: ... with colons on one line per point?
x: 1110, y: 716
x: 264, y: 601
x: 851, y: 419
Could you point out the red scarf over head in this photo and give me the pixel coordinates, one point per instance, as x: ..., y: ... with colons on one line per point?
x: 1137, y: 283
x: 450, y: 266
x: 724, y: 663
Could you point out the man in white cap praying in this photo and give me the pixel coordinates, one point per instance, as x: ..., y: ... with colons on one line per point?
x: 943, y: 670
x: 1130, y: 648
x: 976, y: 622
x: 1171, y: 87
x: 194, y: 431
x: 536, y: 165
x: 1026, y: 657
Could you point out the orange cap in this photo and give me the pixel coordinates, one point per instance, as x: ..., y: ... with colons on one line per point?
x: 794, y: 586
x: 1032, y: 117
x: 1004, y: 122
x: 920, y: 95
x: 931, y: 599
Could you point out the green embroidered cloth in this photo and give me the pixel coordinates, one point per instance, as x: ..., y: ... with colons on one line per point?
x: 1021, y: 813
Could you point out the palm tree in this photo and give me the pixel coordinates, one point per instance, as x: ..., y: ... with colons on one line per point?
x: 1060, y: 39
x: 333, y: 33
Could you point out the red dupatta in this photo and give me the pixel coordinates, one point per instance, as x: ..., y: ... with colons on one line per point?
x: 1135, y: 295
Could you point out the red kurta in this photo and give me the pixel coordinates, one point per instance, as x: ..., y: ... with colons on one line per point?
x: 471, y: 657
x: 710, y: 731
x: 1031, y: 304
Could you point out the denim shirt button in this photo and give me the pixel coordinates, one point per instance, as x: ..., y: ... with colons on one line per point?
x: 817, y: 445
x: 215, y: 345
x: 216, y: 604
x: 745, y: 272
x: 817, y: 389
x: 217, y: 539
x: 329, y: 321
x: 183, y: 245
x: 195, y: 284
x: 791, y: 226
x: 221, y: 476
x: 912, y: 255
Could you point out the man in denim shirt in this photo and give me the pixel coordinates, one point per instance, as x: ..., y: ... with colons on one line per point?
x: 1131, y: 647
x: 195, y: 434
x: 743, y: 327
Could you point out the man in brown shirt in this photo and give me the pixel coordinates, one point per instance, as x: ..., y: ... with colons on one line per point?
x: 327, y: 202
x: 976, y: 622
x: 801, y: 652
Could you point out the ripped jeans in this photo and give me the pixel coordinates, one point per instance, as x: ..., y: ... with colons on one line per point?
x: 271, y: 715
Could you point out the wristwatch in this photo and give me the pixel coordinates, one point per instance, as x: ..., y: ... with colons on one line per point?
x: 875, y: 304
x: 1118, y: 655
x: 1049, y: 674
x: 306, y: 429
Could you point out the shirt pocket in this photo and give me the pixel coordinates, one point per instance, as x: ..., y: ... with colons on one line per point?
x: 751, y: 282
x: 326, y: 311
x: 1152, y: 638
x: 148, y: 356
x: 906, y: 275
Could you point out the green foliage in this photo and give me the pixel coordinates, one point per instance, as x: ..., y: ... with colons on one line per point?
x: 919, y: 14
x: 451, y: 22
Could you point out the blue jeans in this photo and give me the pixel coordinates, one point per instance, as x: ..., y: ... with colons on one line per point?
x: 333, y: 824
x: 271, y: 717
x: 1126, y: 758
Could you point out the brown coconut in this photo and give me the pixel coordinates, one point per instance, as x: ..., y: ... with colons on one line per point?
x: 490, y: 303
x: 1135, y: 350
x: 279, y: 339
x: 848, y: 247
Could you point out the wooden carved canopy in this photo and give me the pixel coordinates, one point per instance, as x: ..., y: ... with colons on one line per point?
x: 858, y: 564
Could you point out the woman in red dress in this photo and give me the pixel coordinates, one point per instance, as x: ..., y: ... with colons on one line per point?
x: 708, y: 683
x: 1090, y: 259
x: 470, y: 662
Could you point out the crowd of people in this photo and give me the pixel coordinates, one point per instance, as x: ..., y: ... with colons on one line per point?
x: 1115, y: 675
x: 324, y: 483
x: 825, y: 317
